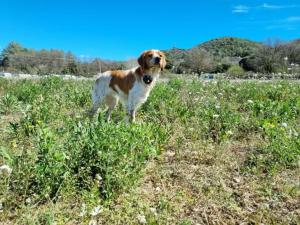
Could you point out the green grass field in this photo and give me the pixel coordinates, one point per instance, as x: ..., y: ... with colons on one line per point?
x: 200, y: 153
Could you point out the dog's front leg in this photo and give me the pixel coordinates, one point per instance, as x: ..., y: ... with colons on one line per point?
x: 131, y: 116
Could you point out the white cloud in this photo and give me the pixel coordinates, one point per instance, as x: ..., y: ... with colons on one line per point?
x: 266, y: 6
x: 240, y: 9
x: 269, y: 6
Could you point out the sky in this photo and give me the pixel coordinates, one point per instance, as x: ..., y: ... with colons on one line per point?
x: 120, y: 30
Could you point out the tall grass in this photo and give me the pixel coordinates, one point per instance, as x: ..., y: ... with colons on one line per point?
x: 55, y: 151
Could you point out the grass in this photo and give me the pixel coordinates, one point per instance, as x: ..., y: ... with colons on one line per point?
x: 201, y: 152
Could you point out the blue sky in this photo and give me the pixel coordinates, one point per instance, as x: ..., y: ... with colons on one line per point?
x: 122, y: 29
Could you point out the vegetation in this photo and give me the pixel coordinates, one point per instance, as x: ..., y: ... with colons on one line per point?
x: 201, y: 152
x: 235, y: 71
x: 214, y: 56
x: 15, y: 58
x: 230, y: 47
x: 220, y: 54
x: 274, y: 57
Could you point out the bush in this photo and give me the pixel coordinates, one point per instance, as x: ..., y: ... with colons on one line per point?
x: 235, y: 71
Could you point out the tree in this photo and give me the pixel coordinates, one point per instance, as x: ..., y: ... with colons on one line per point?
x: 198, y: 60
x: 269, y: 58
x: 13, y: 48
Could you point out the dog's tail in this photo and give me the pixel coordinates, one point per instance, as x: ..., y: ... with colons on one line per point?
x: 98, y: 86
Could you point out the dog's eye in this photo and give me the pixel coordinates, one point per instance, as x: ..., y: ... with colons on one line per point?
x: 150, y: 55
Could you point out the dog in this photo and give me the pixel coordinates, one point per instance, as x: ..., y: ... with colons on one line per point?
x: 132, y: 87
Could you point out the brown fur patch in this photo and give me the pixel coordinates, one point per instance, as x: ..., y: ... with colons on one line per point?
x: 123, y: 80
x: 163, y: 61
x: 144, y: 59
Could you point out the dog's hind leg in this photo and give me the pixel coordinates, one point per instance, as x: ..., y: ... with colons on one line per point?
x: 91, y: 112
x: 111, y: 102
x: 97, y: 100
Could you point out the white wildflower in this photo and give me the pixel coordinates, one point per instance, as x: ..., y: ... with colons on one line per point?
x: 218, y: 106
x: 237, y: 179
x: 157, y: 189
x: 28, y: 200
x: 229, y: 132
x: 93, y: 222
x: 141, y: 218
x: 83, y: 210
x: 98, y: 177
x: 250, y: 101
x: 5, y: 170
x: 284, y: 125
x: 153, y: 210
x: 96, y: 210
x: 216, y: 116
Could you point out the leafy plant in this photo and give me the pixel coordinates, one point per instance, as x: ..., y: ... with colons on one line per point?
x: 8, y: 103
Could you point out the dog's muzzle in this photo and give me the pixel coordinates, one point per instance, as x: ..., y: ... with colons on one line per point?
x: 147, y: 79
x: 157, y: 60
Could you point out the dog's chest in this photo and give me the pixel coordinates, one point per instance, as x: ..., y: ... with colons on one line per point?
x: 141, y: 90
x: 139, y: 94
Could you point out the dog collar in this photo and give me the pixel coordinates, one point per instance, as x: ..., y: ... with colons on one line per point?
x: 147, y: 79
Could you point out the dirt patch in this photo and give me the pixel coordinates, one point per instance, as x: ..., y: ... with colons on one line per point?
x: 204, y: 184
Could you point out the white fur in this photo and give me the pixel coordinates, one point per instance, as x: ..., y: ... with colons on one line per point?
x: 139, y: 94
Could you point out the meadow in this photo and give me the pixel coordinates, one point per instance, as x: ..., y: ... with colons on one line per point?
x: 217, y: 152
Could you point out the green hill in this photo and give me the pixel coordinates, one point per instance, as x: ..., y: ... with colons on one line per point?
x: 216, y: 51
x: 229, y: 47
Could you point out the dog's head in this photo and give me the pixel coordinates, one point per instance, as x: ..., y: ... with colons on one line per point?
x: 152, y: 59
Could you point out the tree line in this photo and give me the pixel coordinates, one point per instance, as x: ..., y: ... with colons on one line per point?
x: 17, y: 59
x: 220, y: 55
x: 223, y: 55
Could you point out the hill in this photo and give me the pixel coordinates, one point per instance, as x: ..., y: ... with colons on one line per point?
x: 216, y: 50
x: 229, y: 47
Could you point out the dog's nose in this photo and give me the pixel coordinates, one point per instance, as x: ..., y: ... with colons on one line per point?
x: 156, y: 60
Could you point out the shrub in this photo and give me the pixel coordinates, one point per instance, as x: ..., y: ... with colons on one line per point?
x: 235, y: 71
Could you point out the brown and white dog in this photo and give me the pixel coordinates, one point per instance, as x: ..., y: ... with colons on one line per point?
x: 132, y: 87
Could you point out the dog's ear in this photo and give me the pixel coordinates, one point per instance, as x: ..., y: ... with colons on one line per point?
x: 163, y: 61
x: 142, y: 60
